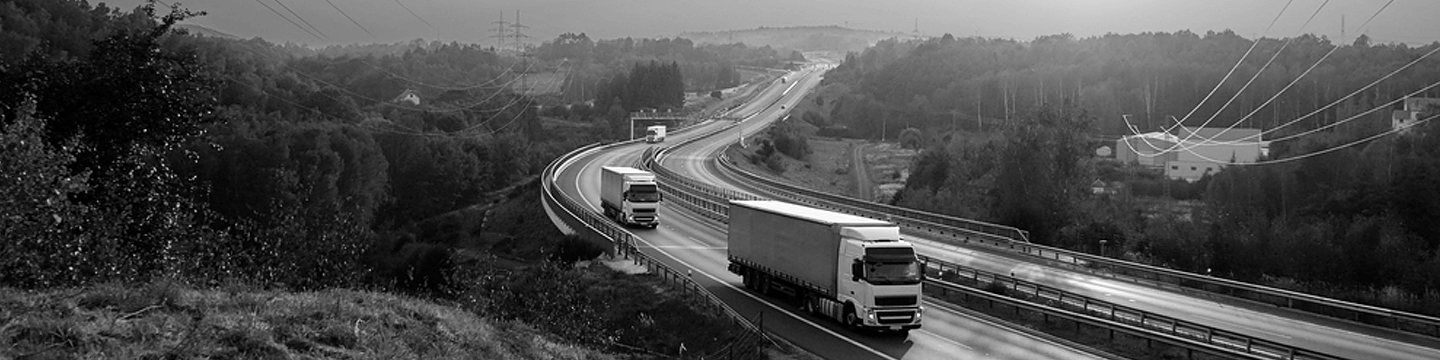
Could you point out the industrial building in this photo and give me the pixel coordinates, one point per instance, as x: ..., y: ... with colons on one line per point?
x: 1199, y: 151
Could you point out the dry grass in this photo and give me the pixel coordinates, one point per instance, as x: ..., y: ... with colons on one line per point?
x: 168, y: 320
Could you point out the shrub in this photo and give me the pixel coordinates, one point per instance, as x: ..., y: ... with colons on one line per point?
x: 573, y: 248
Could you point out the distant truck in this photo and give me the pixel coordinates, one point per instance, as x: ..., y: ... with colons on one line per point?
x: 630, y: 196
x: 853, y: 269
x: 655, y: 134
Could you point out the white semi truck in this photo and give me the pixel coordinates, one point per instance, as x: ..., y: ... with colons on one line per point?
x: 630, y: 196
x: 853, y: 269
x: 655, y: 134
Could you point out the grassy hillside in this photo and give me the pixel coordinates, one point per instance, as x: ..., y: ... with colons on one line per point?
x: 167, y: 320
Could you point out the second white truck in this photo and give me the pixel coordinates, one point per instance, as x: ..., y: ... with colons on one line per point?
x: 850, y: 268
x: 630, y: 196
x: 655, y: 134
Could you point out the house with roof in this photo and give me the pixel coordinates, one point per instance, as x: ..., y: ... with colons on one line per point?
x: 1410, y: 113
x: 409, y: 95
x: 1191, y: 153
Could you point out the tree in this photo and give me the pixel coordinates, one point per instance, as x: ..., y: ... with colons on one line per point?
x: 39, y: 213
x: 910, y: 138
x: 133, y: 105
x: 1040, y: 174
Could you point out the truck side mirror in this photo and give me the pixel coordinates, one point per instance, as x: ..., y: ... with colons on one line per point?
x: 855, y: 269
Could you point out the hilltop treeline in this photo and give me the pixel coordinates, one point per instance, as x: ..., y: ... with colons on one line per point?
x: 807, y: 38
x: 1356, y: 222
x: 595, y: 64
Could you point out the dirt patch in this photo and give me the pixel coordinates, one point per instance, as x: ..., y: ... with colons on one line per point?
x: 889, y: 167
x: 830, y: 166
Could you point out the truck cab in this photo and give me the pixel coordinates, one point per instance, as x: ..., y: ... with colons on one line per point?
x: 630, y: 196
x: 883, y: 283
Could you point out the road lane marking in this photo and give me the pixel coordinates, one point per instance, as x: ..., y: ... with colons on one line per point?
x: 942, y: 338
x: 687, y: 247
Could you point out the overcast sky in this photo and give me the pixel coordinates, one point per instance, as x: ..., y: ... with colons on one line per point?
x: 1409, y: 21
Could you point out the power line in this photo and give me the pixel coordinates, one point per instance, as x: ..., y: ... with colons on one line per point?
x: 1233, y: 68
x: 1333, y: 148
x: 382, y: 69
x: 302, y: 19
x: 358, y: 95
x: 1333, y: 104
x: 292, y: 22
x: 1297, y: 80
x: 352, y: 20
x: 417, y: 16
x: 1252, y: 78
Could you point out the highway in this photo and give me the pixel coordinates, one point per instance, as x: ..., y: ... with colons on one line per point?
x: 1322, y: 334
x: 685, y: 242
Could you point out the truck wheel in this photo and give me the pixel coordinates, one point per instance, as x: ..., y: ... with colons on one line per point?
x: 764, y: 285
x: 850, y: 319
x: 749, y: 280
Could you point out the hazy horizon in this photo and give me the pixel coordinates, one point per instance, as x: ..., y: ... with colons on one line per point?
x: 468, y: 21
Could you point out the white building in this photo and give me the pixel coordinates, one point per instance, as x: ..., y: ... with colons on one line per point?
x: 1413, y: 110
x: 410, y: 96
x: 1193, y: 152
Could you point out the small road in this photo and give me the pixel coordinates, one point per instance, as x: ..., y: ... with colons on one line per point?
x: 863, y: 188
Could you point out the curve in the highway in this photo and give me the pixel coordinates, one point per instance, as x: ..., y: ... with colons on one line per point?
x: 686, y: 242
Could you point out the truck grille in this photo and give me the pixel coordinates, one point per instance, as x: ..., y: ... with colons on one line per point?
x: 906, y: 300
x: 895, y: 317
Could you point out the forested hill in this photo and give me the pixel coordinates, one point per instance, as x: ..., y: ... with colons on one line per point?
x: 282, y: 166
x: 804, y: 38
x: 1150, y: 76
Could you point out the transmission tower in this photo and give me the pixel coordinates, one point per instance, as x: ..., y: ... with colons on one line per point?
x: 499, y: 35
x: 515, y: 33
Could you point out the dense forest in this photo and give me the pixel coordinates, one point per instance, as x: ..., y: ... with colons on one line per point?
x: 133, y: 150
x: 1357, y: 222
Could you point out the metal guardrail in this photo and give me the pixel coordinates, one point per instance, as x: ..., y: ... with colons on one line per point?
x: 573, y: 218
x: 947, y: 226
x: 1106, y: 310
x: 1098, y: 313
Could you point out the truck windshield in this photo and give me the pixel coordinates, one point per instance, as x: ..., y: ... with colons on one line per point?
x: 892, y: 273
x: 643, y: 193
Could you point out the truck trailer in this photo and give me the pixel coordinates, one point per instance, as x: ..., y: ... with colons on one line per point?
x: 655, y: 134
x: 853, y: 269
x: 630, y: 196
